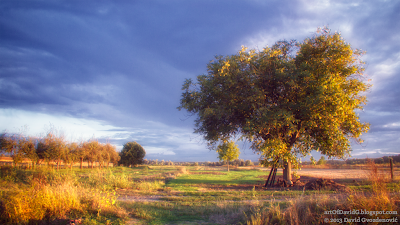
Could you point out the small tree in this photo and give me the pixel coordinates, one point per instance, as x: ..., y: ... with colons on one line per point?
x: 249, y: 163
x: 19, y: 147
x: 92, y: 149
x: 321, y: 161
x: 27, y: 147
x: 111, y: 154
x: 71, y: 154
x: 132, y: 154
x: 228, y: 151
x: 81, y: 154
x: 52, y: 147
x: 9, y: 144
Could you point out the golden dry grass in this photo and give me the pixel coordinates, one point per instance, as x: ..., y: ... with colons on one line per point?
x: 311, y: 209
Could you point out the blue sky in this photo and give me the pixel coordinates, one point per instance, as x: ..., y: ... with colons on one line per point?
x: 113, y: 70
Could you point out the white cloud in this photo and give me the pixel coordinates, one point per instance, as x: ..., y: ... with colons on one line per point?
x: 150, y: 150
x: 75, y: 129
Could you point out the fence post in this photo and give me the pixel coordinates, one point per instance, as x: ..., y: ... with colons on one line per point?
x: 391, y: 168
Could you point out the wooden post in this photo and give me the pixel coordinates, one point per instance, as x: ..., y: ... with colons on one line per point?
x: 273, y: 176
x: 391, y: 168
x: 269, y: 176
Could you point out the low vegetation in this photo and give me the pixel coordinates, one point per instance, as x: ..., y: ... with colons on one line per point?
x: 180, y: 194
x: 322, y: 209
x: 30, y: 196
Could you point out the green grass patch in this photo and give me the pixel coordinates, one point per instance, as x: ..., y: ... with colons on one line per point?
x: 216, y: 212
x: 194, y: 181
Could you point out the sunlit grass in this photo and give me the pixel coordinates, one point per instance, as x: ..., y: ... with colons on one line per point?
x: 377, y: 195
x: 176, y: 194
x: 195, y: 180
x: 41, y: 194
x: 167, y: 212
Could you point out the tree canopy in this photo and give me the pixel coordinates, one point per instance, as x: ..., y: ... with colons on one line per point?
x: 132, y: 154
x: 287, y: 100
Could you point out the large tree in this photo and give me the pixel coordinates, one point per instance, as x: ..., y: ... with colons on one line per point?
x: 132, y: 154
x: 287, y: 100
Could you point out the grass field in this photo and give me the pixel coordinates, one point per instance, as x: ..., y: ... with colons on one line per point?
x: 185, y: 195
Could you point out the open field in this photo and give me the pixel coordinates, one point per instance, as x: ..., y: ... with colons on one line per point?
x: 184, y: 195
x: 350, y: 174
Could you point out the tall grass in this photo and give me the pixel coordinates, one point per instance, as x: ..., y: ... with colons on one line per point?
x: 49, y: 195
x: 149, y: 186
x: 41, y: 202
x: 107, y: 178
x: 311, y: 209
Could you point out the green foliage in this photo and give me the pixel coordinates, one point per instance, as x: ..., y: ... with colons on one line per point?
x: 321, y: 161
x: 132, y: 154
x: 194, y: 182
x: 249, y: 163
x: 228, y: 151
x: 313, y: 162
x: 287, y: 100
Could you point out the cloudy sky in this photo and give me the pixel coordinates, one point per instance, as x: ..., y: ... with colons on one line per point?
x: 113, y: 70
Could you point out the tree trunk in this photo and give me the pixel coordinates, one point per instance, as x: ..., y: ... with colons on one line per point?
x: 81, y: 162
x: 287, y: 172
x: 228, y: 165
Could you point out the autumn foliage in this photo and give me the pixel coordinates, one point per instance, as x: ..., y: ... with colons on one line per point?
x: 53, y: 148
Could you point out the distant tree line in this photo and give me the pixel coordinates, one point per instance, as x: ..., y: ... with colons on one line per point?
x: 236, y: 162
x: 54, y: 148
x: 381, y: 160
